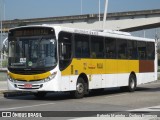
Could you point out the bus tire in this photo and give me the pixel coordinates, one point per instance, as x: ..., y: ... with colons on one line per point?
x: 40, y: 95
x: 132, y: 83
x: 80, y: 89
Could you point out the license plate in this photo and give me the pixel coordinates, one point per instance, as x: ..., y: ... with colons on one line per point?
x: 28, y: 86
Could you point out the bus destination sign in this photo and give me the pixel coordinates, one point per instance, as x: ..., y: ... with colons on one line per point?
x: 32, y: 32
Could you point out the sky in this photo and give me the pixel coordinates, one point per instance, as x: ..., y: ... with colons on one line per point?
x: 25, y: 9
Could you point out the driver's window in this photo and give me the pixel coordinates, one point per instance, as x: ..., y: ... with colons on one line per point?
x: 11, y: 49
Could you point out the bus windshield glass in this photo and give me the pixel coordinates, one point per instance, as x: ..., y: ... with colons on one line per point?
x: 32, y: 52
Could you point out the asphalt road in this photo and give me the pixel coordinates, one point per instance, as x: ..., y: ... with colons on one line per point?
x: 145, y: 98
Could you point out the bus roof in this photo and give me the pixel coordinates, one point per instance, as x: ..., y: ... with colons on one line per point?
x: 104, y: 33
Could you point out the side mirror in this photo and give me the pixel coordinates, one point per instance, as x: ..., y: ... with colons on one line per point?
x: 5, y: 46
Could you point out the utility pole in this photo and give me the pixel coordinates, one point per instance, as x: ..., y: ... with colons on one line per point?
x: 4, y: 10
x: 2, y: 16
x: 1, y: 9
x: 99, y: 10
x: 105, y: 13
x: 81, y: 7
x: 144, y: 33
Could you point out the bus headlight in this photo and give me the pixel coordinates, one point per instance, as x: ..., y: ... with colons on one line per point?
x: 10, y: 79
x: 50, y: 77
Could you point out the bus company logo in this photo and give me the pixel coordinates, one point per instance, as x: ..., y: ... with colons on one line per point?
x: 20, y: 115
x: 6, y: 114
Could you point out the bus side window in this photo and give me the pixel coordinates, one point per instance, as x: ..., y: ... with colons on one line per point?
x: 79, y: 49
x: 97, y: 47
x: 141, y: 50
x: 110, y: 48
x: 122, y: 48
x: 150, y: 50
x: 132, y: 52
x: 82, y: 46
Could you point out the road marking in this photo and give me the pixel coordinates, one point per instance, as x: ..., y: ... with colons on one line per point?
x: 151, y: 83
x: 2, y: 109
x: 152, y: 108
x: 116, y: 95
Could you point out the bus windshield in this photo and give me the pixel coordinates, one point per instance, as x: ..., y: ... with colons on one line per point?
x: 32, y: 52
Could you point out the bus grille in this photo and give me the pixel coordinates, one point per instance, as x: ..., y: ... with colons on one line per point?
x: 22, y: 86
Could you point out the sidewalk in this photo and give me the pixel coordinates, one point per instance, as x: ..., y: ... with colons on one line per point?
x: 3, y: 85
x: 3, y: 79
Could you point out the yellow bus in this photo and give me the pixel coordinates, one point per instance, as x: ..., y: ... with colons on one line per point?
x: 49, y: 58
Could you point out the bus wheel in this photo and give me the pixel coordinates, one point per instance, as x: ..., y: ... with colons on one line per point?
x: 80, y: 89
x: 132, y: 83
x: 40, y: 95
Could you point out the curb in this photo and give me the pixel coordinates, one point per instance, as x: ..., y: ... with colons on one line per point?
x: 2, y: 91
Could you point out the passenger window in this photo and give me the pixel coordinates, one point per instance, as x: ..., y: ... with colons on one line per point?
x: 97, y: 47
x: 132, y: 52
x: 82, y: 46
x: 141, y: 46
x: 150, y: 50
x: 122, y: 48
x: 110, y: 48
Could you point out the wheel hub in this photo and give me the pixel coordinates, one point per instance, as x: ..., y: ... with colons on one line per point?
x: 80, y: 88
x: 132, y: 83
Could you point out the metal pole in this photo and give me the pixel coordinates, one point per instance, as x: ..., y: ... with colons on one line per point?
x: 4, y: 14
x: 156, y: 33
x: 1, y: 9
x: 1, y: 15
x: 81, y: 7
x: 144, y: 33
x: 99, y: 10
x: 4, y: 10
x: 105, y: 13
